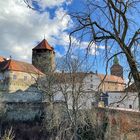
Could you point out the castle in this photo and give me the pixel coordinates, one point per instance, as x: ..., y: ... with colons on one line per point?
x: 16, y: 75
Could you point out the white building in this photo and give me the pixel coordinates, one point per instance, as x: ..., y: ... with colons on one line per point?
x: 128, y: 100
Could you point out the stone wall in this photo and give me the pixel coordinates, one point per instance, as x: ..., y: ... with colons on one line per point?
x: 21, y: 111
x: 28, y: 111
x: 44, y: 60
x: 28, y: 119
x: 121, y: 124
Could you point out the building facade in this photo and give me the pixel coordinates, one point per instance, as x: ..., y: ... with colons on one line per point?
x: 111, y: 83
x: 16, y: 75
x: 128, y: 100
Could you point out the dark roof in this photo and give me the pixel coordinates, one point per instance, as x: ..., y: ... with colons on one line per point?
x: 44, y: 45
x: 116, y: 66
x: 15, y: 65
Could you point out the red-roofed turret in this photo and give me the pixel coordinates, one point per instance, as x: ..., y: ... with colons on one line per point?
x: 43, y: 56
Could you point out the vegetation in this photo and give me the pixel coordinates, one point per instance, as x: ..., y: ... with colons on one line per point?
x: 8, y: 135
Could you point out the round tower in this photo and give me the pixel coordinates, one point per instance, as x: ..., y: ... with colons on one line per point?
x: 116, y: 68
x: 43, y: 57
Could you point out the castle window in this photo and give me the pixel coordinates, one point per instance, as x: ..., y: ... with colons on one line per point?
x: 14, y: 77
x: 91, y: 86
x: 130, y: 106
x: 25, y: 78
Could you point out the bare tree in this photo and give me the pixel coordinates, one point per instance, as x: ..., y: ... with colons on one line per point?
x: 110, y: 22
x: 69, y: 95
x: 77, y: 96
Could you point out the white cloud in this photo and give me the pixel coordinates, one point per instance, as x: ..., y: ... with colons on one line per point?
x: 22, y: 27
x: 51, y: 3
x: 93, y: 49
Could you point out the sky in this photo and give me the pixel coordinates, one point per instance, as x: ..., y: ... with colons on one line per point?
x: 22, y: 28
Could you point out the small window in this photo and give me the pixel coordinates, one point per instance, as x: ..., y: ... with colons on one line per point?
x: 25, y: 78
x: 130, y: 106
x: 117, y: 105
x: 14, y: 77
x: 91, y: 86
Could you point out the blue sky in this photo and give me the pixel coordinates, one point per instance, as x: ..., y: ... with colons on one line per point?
x: 22, y: 28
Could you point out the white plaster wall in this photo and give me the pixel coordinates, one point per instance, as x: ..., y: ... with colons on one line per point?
x: 87, y: 94
x: 92, y: 80
x: 130, y: 99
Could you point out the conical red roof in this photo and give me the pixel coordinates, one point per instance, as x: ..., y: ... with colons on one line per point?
x: 44, y: 45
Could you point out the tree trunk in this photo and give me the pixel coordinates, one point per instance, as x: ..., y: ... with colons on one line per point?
x: 135, y: 72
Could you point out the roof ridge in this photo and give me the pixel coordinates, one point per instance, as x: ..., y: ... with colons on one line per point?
x: 20, y: 61
x: 16, y: 65
x: 44, y: 45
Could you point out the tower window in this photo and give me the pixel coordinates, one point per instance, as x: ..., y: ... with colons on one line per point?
x: 14, y: 77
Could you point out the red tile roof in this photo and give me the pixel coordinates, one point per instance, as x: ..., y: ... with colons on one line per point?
x: 15, y: 65
x: 44, y: 45
x: 2, y: 58
x: 111, y: 78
